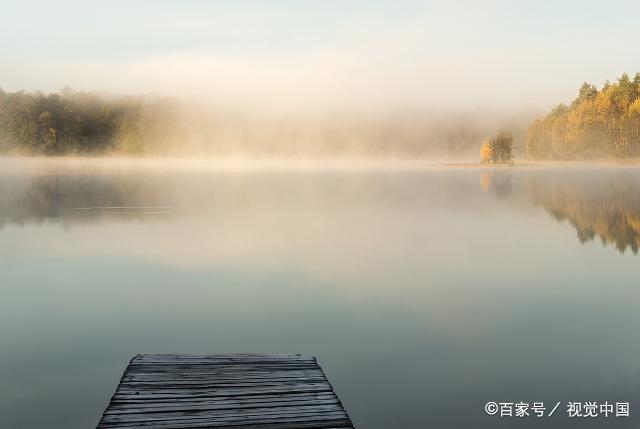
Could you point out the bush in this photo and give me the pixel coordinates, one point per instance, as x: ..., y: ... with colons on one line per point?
x: 497, y: 149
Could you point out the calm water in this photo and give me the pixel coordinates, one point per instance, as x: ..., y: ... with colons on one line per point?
x: 424, y: 292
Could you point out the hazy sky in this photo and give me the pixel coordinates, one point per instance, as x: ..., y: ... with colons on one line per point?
x: 353, y: 53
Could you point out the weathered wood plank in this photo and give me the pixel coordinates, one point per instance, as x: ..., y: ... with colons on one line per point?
x: 215, y: 415
x: 216, y: 406
x: 234, y: 399
x: 225, y: 391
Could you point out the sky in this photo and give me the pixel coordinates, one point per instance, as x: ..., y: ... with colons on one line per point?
x: 433, y: 54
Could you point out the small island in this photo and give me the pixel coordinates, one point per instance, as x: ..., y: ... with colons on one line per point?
x: 498, y: 149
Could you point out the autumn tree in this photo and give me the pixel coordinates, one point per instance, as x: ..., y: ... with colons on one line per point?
x: 485, y: 152
x: 497, y: 149
x: 598, y: 124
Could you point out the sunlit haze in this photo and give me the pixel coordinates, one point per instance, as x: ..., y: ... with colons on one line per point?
x: 347, y: 54
x: 319, y: 214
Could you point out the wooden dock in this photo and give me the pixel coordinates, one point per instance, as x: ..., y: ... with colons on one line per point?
x: 224, y: 391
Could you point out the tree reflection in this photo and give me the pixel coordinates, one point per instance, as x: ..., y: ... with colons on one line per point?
x: 598, y: 202
x: 76, y: 198
x: 498, y: 182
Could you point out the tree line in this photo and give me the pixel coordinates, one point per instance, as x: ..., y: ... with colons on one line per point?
x: 78, y: 122
x: 601, y: 123
x: 72, y: 122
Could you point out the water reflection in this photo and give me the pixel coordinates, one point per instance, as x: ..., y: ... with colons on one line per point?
x: 498, y: 182
x: 72, y: 198
x: 603, y: 203
x: 597, y: 202
x: 423, y: 293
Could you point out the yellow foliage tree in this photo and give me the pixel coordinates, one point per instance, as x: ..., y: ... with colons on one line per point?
x: 598, y: 123
x: 497, y: 149
x: 485, y: 152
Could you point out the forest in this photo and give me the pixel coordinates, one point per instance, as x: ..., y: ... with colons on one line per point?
x: 84, y: 123
x: 76, y: 122
x: 601, y: 123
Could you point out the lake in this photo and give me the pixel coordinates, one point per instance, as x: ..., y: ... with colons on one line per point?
x: 425, y: 291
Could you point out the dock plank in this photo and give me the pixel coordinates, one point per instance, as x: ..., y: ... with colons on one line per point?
x: 172, y: 391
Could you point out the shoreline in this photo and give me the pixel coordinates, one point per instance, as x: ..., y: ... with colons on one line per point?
x: 283, y: 164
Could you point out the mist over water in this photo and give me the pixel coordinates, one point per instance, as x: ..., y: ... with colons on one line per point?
x: 425, y: 291
x: 351, y: 180
x: 71, y: 122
